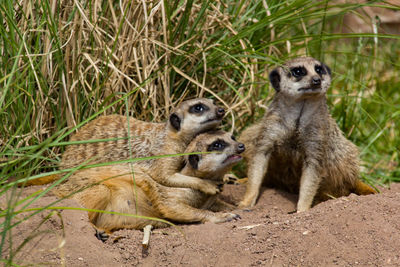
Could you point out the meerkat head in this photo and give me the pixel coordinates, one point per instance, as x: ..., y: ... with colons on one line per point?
x: 301, y: 77
x: 195, y: 116
x: 213, y: 165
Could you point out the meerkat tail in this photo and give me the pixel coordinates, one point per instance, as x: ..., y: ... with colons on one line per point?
x: 363, y: 189
x: 40, y: 181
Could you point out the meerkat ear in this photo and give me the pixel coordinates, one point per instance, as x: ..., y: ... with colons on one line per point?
x: 327, y: 68
x: 175, y: 121
x: 275, y: 79
x: 194, y: 161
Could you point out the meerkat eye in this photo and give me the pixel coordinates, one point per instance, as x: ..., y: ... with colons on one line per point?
x: 218, y: 145
x: 319, y: 69
x: 298, y: 71
x: 198, y: 108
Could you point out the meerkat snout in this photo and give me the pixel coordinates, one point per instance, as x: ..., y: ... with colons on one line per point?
x: 316, y: 80
x: 220, y: 112
x: 240, y: 148
x: 233, y: 158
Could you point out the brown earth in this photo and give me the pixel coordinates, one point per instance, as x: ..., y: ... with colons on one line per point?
x: 349, y: 231
x: 361, y: 20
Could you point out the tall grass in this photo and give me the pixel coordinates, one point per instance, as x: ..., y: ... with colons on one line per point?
x: 64, y: 62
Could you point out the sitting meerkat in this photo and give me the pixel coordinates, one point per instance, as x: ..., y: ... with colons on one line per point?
x: 112, y: 188
x: 190, y: 118
x: 297, y: 144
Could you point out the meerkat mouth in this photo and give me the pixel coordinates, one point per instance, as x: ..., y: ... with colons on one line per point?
x: 233, y: 159
x: 216, y: 119
x: 310, y: 89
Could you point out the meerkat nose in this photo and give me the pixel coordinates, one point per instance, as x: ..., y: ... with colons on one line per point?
x: 316, y: 80
x: 220, y: 112
x: 241, y: 147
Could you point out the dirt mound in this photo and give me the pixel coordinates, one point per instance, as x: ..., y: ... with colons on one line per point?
x: 349, y: 231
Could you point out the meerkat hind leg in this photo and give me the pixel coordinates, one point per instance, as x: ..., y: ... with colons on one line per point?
x: 220, y: 205
x: 101, y: 235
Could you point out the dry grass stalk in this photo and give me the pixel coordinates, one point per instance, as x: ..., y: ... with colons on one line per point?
x: 111, y: 48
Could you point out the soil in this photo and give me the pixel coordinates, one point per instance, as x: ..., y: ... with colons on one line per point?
x: 349, y: 231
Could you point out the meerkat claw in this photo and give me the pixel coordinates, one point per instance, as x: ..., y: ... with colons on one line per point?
x: 101, y: 235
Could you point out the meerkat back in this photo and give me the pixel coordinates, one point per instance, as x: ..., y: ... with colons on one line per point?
x: 141, y: 139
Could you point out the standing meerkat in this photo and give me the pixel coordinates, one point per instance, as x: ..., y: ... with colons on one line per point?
x: 190, y: 118
x: 111, y: 188
x: 297, y: 144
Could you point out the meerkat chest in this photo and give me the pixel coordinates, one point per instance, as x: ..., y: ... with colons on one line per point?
x: 291, y: 148
x: 286, y: 164
x: 302, y: 123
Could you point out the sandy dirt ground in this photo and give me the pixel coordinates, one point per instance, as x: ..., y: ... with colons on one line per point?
x: 349, y: 231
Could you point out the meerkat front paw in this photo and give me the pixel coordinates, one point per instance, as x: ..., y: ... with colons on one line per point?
x: 248, y: 202
x: 209, y: 188
x: 230, y: 178
x: 223, y: 217
x: 232, y: 216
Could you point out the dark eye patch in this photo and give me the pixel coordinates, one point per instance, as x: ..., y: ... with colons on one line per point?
x: 217, y: 145
x: 320, y: 70
x: 198, y: 108
x: 298, y: 71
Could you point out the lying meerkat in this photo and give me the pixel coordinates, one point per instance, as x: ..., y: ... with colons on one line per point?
x: 297, y: 144
x: 189, y: 205
x: 115, y: 190
x: 190, y: 118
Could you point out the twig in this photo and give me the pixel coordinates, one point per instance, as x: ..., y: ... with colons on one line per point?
x: 248, y: 227
x: 146, y: 236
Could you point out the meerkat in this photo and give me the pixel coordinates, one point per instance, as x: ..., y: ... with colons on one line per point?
x: 147, y: 139
x: 112, y: 188
x: 297, y: 144
x: 189, y: 205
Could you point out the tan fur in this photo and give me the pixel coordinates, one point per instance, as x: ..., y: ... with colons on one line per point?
x: 112, y: 188
x: 297, y: 144
x: 147, y: 139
